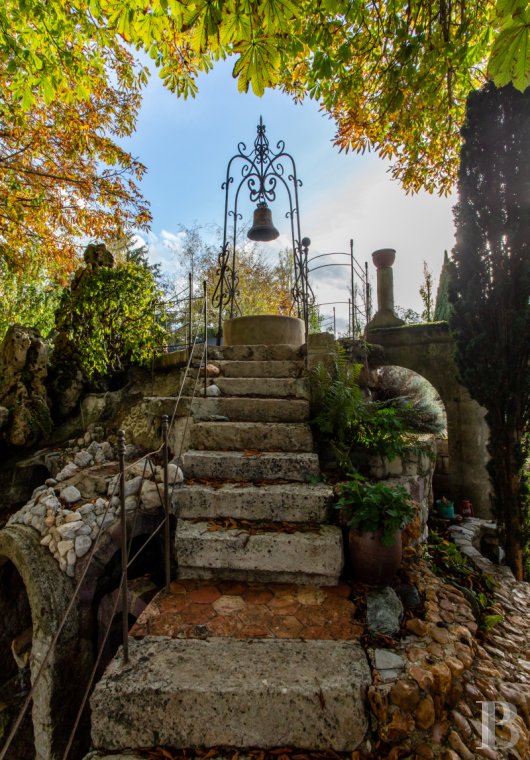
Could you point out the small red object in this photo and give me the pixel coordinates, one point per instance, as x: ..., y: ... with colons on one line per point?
x: 466, y: 508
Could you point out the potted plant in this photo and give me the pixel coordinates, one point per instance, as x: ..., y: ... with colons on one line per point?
x: 375, y: 514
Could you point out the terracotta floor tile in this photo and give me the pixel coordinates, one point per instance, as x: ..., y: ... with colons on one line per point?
x: 228, y: 604
x: 280, y: 602
x: 257, y: 596
x: 310, y: 616
x: 177, y: 587
x: 224, y: 626
x: 311, y: 595
x: 288, y: 609
x: 251, y: 632
x: 232, y: 587
x: 175, y: 603
x: 204, y: 595
x: 286, y: 628
x: 314, y: 632
x: 343, y: 589
x: 198, y: 613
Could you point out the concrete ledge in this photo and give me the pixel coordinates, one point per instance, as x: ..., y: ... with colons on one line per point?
x: 292, y: 502
x: 228, y: 692
x: 234, y: 465
x: 244, y: 409
x: 268, y: 329
x: 283, y: 352
x: 314, y: 557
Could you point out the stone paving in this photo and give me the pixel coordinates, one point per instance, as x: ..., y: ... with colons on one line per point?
x: 197, y: 609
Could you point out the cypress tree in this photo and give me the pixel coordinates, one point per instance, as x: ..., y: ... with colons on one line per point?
x: 490, y: 291
x: 442, y: 308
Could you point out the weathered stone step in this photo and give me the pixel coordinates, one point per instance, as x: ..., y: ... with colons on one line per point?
x: 280, y: 352
x: 255, y: 693
x: 236, y: 465
x: 261, y: 368
x: 311, y: 556
x: 233, y: 409
x: 265, y: 436
x: 268, y: 387
x: 292, y: 502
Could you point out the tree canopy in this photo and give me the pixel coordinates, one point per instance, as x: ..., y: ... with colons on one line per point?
x: 393, y: 74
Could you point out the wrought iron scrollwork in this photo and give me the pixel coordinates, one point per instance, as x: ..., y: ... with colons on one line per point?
x: 261, y: 172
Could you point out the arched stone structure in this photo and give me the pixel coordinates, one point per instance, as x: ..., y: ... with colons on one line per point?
x: 57, y: 692
x: 428, y: 349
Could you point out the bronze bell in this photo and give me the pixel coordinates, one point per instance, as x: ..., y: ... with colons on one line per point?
x: 262, y: 230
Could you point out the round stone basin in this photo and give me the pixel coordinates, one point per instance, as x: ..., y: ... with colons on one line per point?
x: 267, y: 329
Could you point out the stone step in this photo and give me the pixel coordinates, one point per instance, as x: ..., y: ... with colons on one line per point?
x: 292, y: 502
x: 228, y: 692
x: 282, y: 352
x: 265, y: 436
x: 233, y: 409
x: 313, y: 556
x: 268, y: 387
x: 236, y: 465
x: 261, y: 368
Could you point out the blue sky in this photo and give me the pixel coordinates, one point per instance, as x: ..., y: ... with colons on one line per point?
x: 186, y: 146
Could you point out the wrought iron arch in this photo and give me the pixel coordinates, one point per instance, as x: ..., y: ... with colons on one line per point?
x: 262, y: 172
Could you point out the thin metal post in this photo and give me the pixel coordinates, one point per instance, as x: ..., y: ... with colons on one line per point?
x: 350, y: 318
x: 124, y: 590
x: 334, y: 323
x: 165, y: 454
x: 352, y: 290
x: 368, y: 295
x: 205, y: 336
x: 190, y: 302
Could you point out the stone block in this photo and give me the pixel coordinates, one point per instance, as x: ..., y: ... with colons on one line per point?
x: 306, y: 557
x: 292, y: 502
x: 272, y: 436
x: 254, y: 693
x: 236, y: 465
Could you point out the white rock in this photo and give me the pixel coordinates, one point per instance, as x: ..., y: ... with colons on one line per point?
x: 71, y: 557
x: 70, y: 570
x: 133, y: 486
x: 39, y: 510
x: 63, y: 547
x: 52, y: 546
x: 68, y: 530
x: 71, y: 517
x: 108, y: 451
x: 151, y: 495
x: 46, y: 541
x: 82, y: 545
x: 38, y: 490
x: 174, y: 473
x: 100, y: 502
x: 88, y: 438
x: 138, y: 469
x: 63, y: 564
x: 50, y: 482
x: 51, y: 502
x: 86, y: 509
x: 70, y: 494
x: 83, y: 458
x: 94, y: 531
x: 213, y: 390
x: 67, y: 471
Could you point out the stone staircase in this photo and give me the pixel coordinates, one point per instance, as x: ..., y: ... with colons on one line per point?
x: 256, y: 644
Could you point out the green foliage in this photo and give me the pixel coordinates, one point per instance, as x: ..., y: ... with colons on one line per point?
x: 393, y: 75
x: 426, y: 293
x: 490, y: 291
x: 107, y: 322
x: 371, y: 507
x: 336, y: 397
x: 349, y: 421
x: 448, y: 561
x: 28, y: 298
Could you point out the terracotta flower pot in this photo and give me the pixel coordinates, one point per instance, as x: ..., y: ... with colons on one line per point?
x: 373, y: 562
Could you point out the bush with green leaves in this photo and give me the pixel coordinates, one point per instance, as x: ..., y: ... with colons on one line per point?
x: 349, y: 421
x: 370, y: 507
x: 107, y: 322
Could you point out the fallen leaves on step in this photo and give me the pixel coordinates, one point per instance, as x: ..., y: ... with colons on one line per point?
x: 223, y: 753
x: 252, y: 526
x: 252, y: 453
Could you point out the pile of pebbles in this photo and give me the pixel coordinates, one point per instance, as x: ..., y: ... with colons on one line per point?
x: 67, y: 522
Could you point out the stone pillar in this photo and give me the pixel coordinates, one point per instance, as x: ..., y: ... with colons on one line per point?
x: 385, y: 316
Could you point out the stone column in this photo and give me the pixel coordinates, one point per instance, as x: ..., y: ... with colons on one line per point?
x: 385, y: 316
